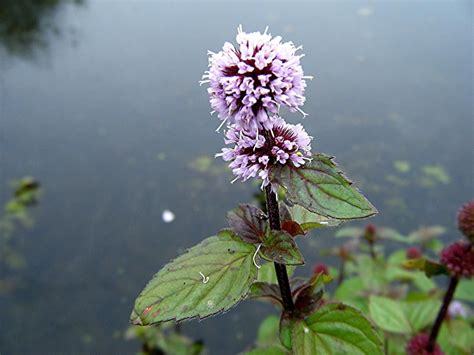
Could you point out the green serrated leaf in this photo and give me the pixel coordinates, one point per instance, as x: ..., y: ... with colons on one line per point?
x: 268, y: 331
x: 320, y: 187
x: 180, y: 291
x: 388, y: 315
x: 266, y: 273
x: 335, y: 329
x: 465, y: 290
x: 269, y: 350
x: 309, y: 220
x: 421, y: 314
x: 456, y: 337
x: 280, y: 247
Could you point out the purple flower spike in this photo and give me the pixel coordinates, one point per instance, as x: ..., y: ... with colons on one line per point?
x: 250, y: 81
x: 254, y: 154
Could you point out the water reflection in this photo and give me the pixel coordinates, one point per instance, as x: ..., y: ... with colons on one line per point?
x: 118, y: 132
x: 25, y: 25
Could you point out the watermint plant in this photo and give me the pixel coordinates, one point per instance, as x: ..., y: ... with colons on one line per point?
x: 248, y: 83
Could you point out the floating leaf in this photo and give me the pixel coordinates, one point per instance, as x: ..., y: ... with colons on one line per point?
x: 402, y: 166
x: 320, y: 187
x: 280, y: 247
x: 335, y: 328
x: 248, y: 222
x: 309, y: 220
x: 208, y: 279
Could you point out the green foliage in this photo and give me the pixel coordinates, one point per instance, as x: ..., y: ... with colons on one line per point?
x: 456, y: 337
x: 320, y: 187
x: 268, y: 332
x: 180, y: 291
x: 280, y: 247
x: 465, y: 290
x: 26, y: 193
x: 309, y: 220
x: 164, y: 339
x: 402, y: 166
x: 430, y: 268
x: 403, y: 317
x: 266, y: 273
x: 334, y: 329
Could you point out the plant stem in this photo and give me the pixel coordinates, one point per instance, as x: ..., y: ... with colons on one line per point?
x: 280, y: 269
x: 453, y: 282
x: 342, y: 270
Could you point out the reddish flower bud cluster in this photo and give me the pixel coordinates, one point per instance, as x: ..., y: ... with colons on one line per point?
x: 320, y: 269
x: 459, y: 259
x: 418, y: 344
x: 370, y: 229
x: 413, y: 253
x: 466, y: 220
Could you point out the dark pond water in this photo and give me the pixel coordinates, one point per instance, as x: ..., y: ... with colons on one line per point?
x: 102, y: 106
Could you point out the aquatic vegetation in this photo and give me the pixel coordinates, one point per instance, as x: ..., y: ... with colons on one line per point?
x: 26, y: 192
x: 374, y: 308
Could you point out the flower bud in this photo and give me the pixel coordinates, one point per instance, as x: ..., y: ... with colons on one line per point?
x: 413, y: 253
x: 418, y: 344
x: 466, y: 220
x: 459, y: 259
x: 320, y: 269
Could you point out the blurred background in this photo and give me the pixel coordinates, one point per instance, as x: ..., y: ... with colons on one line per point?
x: 100, y: 103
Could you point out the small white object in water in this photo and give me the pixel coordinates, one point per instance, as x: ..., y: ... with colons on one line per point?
x: 167, y: 216
x: 365, y: 11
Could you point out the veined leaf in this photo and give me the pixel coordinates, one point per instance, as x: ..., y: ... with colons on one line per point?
x: 267, y: 291
x: 465, y: 290
x: 309, y: 220
x: 388, y: 315
x: 421, y: 314
x: 280, y: 247
x: 403, y: 317
x: 335, y: 328
x: 248, y: 222
x: 320, y: 187
x: 269, y: 350
x: 266, y: 273
x: 208, y: 279
x: 268, y: 331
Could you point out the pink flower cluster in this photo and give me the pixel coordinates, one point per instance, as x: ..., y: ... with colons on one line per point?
x: 458, y: 257
x: 248, y: 82
x: 254, y: 154
x: 418, y: 344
